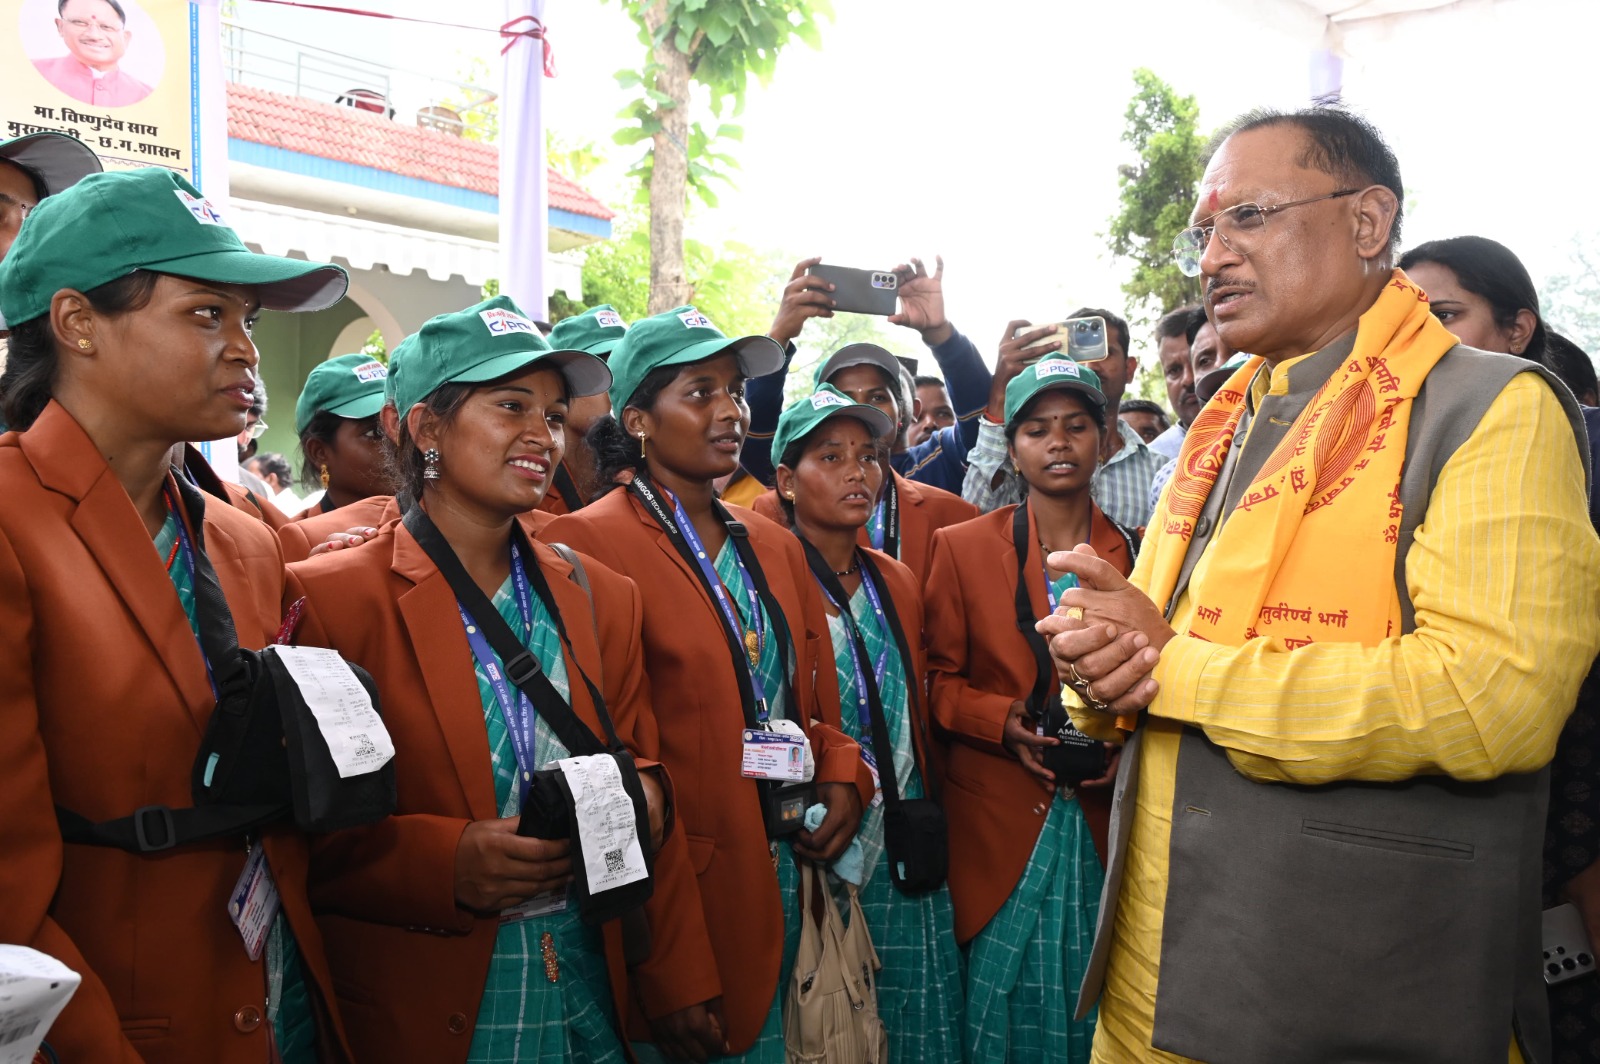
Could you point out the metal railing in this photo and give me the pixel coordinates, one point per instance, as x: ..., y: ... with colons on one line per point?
x: 268, y: 61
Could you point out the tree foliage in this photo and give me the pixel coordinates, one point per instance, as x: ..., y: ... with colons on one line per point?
x: 1156, y: 195
x: 1571, y: 299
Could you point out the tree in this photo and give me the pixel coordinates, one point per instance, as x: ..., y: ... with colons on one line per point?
x: 1156, y: 196
x: 715, y: 45
x: 1572, y: 299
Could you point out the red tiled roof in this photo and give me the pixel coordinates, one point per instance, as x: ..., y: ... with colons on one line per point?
x: 349, y: 135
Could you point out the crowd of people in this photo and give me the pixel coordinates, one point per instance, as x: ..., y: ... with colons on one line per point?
x: 1250, y: 731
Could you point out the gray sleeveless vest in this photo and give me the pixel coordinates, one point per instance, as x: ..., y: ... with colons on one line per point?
x: 1352, y: 922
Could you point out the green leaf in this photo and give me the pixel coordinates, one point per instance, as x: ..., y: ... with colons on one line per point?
x: 629, y: 135
x: 628, y: 78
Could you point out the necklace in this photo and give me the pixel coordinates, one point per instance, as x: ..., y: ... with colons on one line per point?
x: 846, y: 572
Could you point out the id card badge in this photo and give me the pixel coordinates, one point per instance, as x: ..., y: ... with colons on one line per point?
x: 877, y: 783
x: 773, y: 756
x: 538, y: 905
x: 254, y: 904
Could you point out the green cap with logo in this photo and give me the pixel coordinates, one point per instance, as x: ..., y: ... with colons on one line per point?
x: 108, y: 225
x: 677, y: 338
x: 349, y: 386
x: 1049, y: 374
x: 827, y: 402
x: 484, y: 343
x: 395, y: 356
x: 596, y: 331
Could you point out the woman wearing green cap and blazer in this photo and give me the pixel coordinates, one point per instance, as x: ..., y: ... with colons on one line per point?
x: 341, y: 443
x: 1024, y: 873
x: 832, y: 461
x: 131, y: 305
x: 446, y: 935
x: 732, y: 627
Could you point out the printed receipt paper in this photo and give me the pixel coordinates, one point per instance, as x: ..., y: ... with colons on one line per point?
x: 608, y: 832
x: 34, y: 988
x: 349, y: 722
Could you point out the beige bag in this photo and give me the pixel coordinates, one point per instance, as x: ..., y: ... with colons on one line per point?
x: 831, y: 1010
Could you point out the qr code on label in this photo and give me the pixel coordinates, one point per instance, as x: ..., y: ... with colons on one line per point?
x: 364, y: 746
x: 614, y: 862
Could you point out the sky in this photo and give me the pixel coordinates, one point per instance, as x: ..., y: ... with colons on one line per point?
x: 990, y: 133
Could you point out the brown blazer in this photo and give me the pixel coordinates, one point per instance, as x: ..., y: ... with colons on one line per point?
x: 924, y: 509
x: 979, y: 664
x: 237, y: 495
x: 102, y: 709
x: 408, y: 963
x: 375, y: 511
x: 699, y: 711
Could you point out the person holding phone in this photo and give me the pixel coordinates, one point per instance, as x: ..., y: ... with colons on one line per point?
x: 940, y: 459
x: 130, y: 306
x: 733, y: 627
x: 449, y: 933
x: 1026, y: 820
x: 831, y: 467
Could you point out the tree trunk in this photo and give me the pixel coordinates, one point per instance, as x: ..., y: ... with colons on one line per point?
x: 669, y: 174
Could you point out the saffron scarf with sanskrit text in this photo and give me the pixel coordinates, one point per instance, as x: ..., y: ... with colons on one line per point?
x: 1308, y: 553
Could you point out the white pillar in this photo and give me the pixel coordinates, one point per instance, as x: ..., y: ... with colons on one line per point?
x: 524, y: 195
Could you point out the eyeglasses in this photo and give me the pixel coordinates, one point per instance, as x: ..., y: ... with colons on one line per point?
x: 9, y: 204
x: 255, y: 430
x: 79, y: 25
x: 1239, y: 227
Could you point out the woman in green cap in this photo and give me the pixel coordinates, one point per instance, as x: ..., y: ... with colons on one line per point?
x: 732, y: 625
x: 130, y: 305
x: 341, y: 443
x: 1024, y: 873
x: 831, y: 468
x: 596, y: 331
x: 449, y: 934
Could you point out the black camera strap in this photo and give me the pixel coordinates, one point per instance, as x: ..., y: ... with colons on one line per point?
x: 567, y: 488
x: 1044, y: 702
x: 521, y: 666
x: 650, y: 498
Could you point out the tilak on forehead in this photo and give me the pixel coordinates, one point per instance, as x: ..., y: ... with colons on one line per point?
x: 1214, y: 201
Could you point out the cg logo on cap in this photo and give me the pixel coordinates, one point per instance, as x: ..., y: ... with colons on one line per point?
x: 608, y: 319
x: 371, y: 371
x: 1055, y: 367
x: 693, y: 319
x: 203, y: 211
x: 824, y: 399
x: 502, y: 322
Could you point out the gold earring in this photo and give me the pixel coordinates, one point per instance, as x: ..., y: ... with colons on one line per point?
x: 641, y: 444
x: 85, y: 345
x: 789, y: 495
x: 323, y: 476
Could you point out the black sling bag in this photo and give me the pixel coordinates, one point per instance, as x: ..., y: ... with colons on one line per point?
x: 262, y: 759
x: 915, y: 834
x: 549, y: 812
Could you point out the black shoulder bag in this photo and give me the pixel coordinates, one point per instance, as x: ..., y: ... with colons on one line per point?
x: 549, y: 811
x: 1078, y: 757
x: 915, y: 834
x: 262, y: 758
x: 783, y: 805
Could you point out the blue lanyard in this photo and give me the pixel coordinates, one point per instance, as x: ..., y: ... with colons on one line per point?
x: 515, y: 708
x: 1050, y: 589
x: 186, y: 554
x: 880, y: 668
x: 876, y: 532
x: 729, y: 614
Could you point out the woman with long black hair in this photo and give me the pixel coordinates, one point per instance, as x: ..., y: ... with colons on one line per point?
x: 732, y: 632
x: 831, y: 467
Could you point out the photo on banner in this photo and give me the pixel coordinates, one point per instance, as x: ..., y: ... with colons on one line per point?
x: 120, y: 75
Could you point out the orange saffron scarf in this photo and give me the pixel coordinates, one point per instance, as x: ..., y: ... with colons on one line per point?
x: 1308, y: 553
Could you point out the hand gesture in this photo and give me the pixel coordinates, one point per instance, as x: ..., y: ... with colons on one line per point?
x: 922, y: 301
x: 1015, y: 355
x: 496, y: 868
x: 837, y: 828
x: 1021, y: 738
x: 695, y: 1033
x: 804, y: 297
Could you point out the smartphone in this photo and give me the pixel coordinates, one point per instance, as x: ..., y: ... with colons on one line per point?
x: 1082, y: 339
x: 1567, y: 952
x: 860, y: 291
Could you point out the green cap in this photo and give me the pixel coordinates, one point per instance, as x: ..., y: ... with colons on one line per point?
x: 484, y: 343
x: 677, y: 338
x: 109, y: 225
x: 596, y: 331
x: 1046, y: 375
x: 55, y: 161
x: 801, y: 418
x: 350, y: 386
x: 400, y: 349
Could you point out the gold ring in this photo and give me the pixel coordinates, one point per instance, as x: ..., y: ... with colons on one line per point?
x: 1094, y: 703
x: 1072, y: 671
x: 1075, y: 612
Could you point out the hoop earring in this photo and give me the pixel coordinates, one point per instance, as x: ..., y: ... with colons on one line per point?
x: 323, y: 476
x: 641, y: 444
x: 430, y: 464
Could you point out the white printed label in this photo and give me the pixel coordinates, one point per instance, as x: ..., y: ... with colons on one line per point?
x: 1056, y: 366
x: 502, y: 322
x: 538, y: 905
x: 822, y: 399
x: 34, y: 988
x: 608, y: 830
x: 202, y: 209
x: 371, y: 371
x: 693, y: 319
x: 608, y: 319
x: 345, y: 714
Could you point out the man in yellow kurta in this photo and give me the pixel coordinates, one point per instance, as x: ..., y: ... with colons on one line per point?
x: 1358, y: 623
